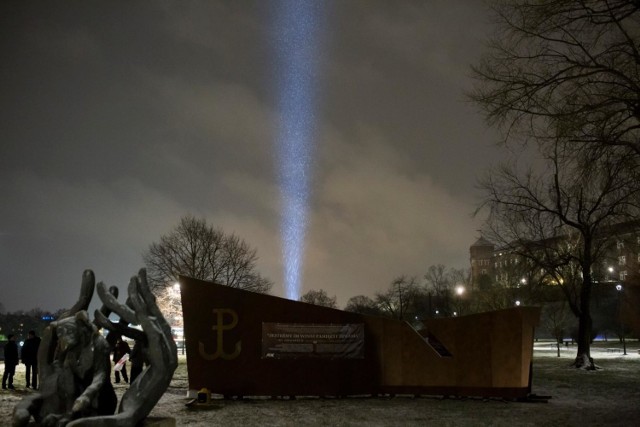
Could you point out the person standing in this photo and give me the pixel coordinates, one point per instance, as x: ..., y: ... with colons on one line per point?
x: 29, y: 357
x: 10, y: 362
x: 138, y: 359
x: 119, y: 351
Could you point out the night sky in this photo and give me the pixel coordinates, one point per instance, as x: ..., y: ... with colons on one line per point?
x: 118, y: 118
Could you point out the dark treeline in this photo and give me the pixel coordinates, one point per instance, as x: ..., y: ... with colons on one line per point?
x: 448, y: 292
x: 21, y: 322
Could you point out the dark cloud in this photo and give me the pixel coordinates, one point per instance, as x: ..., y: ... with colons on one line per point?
x: 118, y: 119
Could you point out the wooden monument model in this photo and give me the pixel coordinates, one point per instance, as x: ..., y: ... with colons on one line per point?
x: 241, y: 343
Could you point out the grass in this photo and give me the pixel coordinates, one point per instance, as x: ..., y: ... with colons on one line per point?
x: 607, y: 397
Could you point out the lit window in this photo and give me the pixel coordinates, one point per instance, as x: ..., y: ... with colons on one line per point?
x: 623, y: 275
x: 622, y: 260
x: 620, y: 244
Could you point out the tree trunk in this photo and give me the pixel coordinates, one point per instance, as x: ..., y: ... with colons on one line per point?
x: 583, y: 357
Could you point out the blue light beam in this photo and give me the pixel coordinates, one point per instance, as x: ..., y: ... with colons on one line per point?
x: 296, y: 40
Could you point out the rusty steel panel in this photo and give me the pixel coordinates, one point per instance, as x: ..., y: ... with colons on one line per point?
x: 318, y: 351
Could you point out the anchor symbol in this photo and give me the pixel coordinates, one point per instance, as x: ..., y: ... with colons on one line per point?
x: 220, y: 327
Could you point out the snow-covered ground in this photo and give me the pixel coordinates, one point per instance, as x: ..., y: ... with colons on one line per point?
x: 607, y: 397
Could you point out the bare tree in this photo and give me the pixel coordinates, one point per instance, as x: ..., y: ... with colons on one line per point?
x: 439, y: 281
x: 364, y: 305
x: 197, y: 250
x: 237, y: 268
x: 169, y: 303
x: 319, y: 297
x: 497, y: 296
x: 401, y: 300
x: 564, y: 75
x: 445, y: 289
x: 555, y: 319
x: 461, y: 276
x: 557, y: 219
x: 569, y: 65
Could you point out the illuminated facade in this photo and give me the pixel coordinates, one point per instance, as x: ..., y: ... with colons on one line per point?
x: 621, y: 262
x: 482, y: 253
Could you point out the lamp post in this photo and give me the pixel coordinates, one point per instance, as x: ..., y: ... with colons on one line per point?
x: 459, y: 292
x: 619, y: 288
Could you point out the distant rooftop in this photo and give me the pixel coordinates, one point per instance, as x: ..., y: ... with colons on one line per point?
x: 483, y: 242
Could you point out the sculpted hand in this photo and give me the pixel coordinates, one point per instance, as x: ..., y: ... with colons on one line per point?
x: 80, y: 404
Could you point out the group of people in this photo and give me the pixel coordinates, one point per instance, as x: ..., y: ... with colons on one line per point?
x: 29, y: 356
x: 122, y: 353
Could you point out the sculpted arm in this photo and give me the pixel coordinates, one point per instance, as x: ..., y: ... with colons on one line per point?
x: 102, y: 370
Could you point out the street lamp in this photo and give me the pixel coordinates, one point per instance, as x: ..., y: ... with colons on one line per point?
x: 619, y: 288
x: 459, y: 292
x: 517, y: 303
